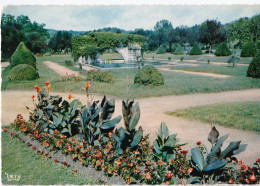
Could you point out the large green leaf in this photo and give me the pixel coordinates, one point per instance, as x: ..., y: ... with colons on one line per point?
x: 215, y: 164
x: 108, y: 108
x: 242, y: 147
x: 171, y: 141
x: 198, y: 158
x: 111, y: 123
x: 57, y: 119
x: 164, y: 131
x: 213, y: 135
x: 135, y: 116
x: 121, y: 133
x: 137, y: 138
x: 156, y: 147
x: 217, y: 147
x: 126, y: 110
x: 228, y: 152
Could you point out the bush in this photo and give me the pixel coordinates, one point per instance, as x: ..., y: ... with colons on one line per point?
x: 169, y: 58
x: 22, y: 55
x: 248, y: 49
x: 68, y: 63
x: 223, y: 50
x: 100, y: 76
x: 182, y: 58
x: 254, y: 67
x: 23, y: 72
x: 174, y: 46
x: 161, y: 50
x: 47, y: 54
x: 179, y: 50
x: 149, y: 75
x: 196, y: 50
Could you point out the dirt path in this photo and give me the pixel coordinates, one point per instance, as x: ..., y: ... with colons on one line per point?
x: 61, y: 70
x: 152, y: 113
x: 197, y: 73
x: 4, y: 65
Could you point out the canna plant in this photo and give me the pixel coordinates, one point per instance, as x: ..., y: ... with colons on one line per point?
x: 165, y: 145
x: 96, y: 121
x: 52, y: 113
x: 128, y: 137
x: 216, y: 160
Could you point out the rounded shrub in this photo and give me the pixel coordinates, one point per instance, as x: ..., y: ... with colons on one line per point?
x: 161, y: 50
x: 254, y: 67
x: 23, y: 72
x: 179, y: 50
x: 223, y: 50
x: 248, y: 49
x: 22, y: 55
x: 149, y: 75
x: 195, y: 50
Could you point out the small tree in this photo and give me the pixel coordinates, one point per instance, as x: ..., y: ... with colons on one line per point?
x: 223, y: 50
x: 248, y: 49
x: 254, y: 67
x: 195, y: 50
x: 22, y: 55
x: 179, y: 50
x: 161, y: 50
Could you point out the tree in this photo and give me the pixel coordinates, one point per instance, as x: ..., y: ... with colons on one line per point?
x: 254, y: 67
x: 60, y: 41
x: 195, y: 50
x: 211, y: 32
x: 255, y: 27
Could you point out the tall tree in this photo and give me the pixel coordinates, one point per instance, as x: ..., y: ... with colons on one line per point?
x: 60, y: 41
x: 255, y: 27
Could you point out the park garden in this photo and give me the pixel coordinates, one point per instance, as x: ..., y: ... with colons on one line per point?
x: 161, y: 120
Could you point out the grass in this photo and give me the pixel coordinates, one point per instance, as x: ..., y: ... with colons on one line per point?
x: 176, y: 83
x: 18, y: 159
x: 240, y: 115
x: 218, y: 69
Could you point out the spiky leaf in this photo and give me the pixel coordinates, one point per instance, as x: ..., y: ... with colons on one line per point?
x: 135, y: 116
x: 213, y: 135
x: 228, y: 152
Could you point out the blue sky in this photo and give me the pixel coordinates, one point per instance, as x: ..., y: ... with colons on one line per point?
x: 129, y: 17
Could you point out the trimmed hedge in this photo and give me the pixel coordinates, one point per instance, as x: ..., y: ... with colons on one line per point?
x: 254, y: 67
x: 179, y: 50
x: 161, y: 50
x: 196, y: 50
x: 22, y: 55
x: 149, y: 75
x: 23, y: 72
x: 248, y: 49
x: 223, y: 50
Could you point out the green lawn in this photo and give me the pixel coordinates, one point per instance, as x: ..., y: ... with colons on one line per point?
x: 218, y: 69
x: 175, y: 82
x: 18, y: 159
x: 240, y: 115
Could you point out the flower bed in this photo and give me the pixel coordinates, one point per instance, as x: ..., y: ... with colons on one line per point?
x: 86, y: 133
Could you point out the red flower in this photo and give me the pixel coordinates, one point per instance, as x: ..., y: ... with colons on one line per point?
x: 33, y: 147
x: 39, y: 151
x: 12, y: 134
x: 33, y: 96
x: 55, y: 160
x: 5, y: 130
x: 70, y: 97
x: 231, y: 181
x: 169, y: 175
x: 258, y: 160
x: 140, y: 174
x: 184, y: 152
x: 148, y: 176
x: 199, y: 143
x: 252, y: 177
x: 190, y: 170
x: 37, y: 88
x: 47, y: 83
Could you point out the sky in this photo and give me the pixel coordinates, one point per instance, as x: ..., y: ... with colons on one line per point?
x: 128, y: 17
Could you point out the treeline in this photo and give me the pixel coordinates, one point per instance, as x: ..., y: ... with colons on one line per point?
x: 208, y: 33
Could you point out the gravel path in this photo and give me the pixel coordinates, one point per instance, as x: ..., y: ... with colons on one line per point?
x: 152, y: 113
x: 197, y: 73
x: 61, y: 70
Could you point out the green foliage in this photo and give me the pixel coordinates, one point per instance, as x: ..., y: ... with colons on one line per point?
x: 61, y: 40
x: 248, y: 49
x: 169, y: 58
x: 222, y: 50
x: 161, y: 50
x: 99, y: 42
x: 23, y: 72
x: 179, y: 50
x: 128, y: 137
x: 22, y: 55
x: 165, y: 145
x: 80, y: 66
x: 195, y: 50
x: 149, y: 75
x: 174, y: 46
x: 51, y: 113
x: 182, y: 58
x: 96, y: 121
x: 100, y: 76
x: 254, y: 67
x: 216, y: 159
x: 68, y: 63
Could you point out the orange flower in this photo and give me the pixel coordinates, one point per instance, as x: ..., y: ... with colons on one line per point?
x: 70, y: 97
x: 47, y: 83
x: 87, y: 85
x: 37, y: 88
x: 190, y: 170
x: 33, y: 96
x: 252, y: 178
x: 148, y: 176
